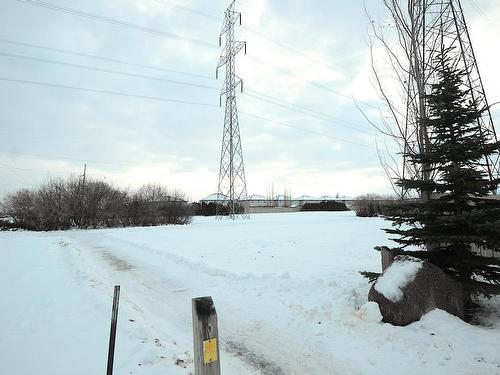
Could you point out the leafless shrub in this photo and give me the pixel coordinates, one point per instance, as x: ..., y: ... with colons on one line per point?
x: 370, y: 205
x: 59, y: 204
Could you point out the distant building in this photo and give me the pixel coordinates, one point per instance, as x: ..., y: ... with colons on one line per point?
x: 256, y: 200
x: 213, y: 198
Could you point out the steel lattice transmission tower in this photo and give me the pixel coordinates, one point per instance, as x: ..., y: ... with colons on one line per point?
x: 438, y: 24
x: 232, y: 188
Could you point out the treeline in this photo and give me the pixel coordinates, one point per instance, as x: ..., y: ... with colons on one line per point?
x: 60, y: 204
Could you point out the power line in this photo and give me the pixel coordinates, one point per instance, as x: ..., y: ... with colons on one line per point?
x: 36, y: 137
x: 281, y: 44
x: 113, y: 21
x: 478, y: 10
x: 16, y: 174
x: 49, y: 172
x: 289, y: 48
x: 12, y: 184
x: 59, y: 157
x: 322, y: 115
x: 252, y: 30
x: 303, y: 129
x: 102, y: 70
x: 118, y: 93
x: 103, y: 58
x: 53, y: 140
x: 187, y: 9
x: 311, y: 83
x: 161, y: 33
x: 260, y: 34
x: 256, y: 95
x: 286, y: 72
x: 269, y: 18
x: 35, y: 170
x: 168, y: 100
x: 306, y: 111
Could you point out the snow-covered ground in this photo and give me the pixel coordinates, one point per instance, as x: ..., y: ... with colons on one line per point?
x: 286, y: 288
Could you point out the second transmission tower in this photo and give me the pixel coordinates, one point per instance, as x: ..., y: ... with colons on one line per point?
x: 232, y: 188
x: 439, y: 25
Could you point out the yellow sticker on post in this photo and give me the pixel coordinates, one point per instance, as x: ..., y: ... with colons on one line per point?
x: 210, y: 351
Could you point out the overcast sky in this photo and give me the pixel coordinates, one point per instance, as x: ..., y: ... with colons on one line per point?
x: 147, y: 110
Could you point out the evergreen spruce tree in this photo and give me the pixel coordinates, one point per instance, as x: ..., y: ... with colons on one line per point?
x: 460, y: 218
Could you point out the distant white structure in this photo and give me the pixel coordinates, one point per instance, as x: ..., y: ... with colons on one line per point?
x: 257, y: 200
x: 215, y: 197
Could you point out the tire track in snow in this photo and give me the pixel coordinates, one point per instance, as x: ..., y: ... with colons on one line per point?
x: 256, y: 361
x: 117, y: 263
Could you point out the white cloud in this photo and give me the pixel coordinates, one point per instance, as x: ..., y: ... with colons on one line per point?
x: 485, y: 34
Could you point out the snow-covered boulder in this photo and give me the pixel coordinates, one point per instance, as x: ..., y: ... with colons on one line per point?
x: 410, y: 287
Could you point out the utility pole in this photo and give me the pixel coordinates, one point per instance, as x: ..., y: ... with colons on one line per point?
x: 82, y: 192
x: 438, y: 24
x: 84, y: 178
x: 232, y: 187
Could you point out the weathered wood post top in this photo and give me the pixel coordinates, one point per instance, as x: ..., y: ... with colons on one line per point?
x: 206, y: 337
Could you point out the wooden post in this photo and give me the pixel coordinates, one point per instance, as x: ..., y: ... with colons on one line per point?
x: 112, y: 333
x: 206, y: 337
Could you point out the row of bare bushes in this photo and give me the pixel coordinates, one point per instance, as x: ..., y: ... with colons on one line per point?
x: 63, y: 204
x: 371, y: 205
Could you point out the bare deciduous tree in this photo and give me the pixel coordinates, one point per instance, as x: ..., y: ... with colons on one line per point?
x: 401, y: 83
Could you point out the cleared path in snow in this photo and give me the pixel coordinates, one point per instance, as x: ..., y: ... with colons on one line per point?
x: 265, y: 276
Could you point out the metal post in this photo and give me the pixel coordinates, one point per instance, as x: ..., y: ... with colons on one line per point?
x: 112, y: 333
x: 441, y: 25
